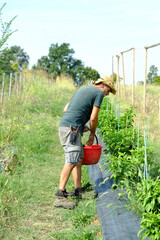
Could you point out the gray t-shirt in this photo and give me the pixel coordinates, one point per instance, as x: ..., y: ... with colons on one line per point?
x: 80, y: 107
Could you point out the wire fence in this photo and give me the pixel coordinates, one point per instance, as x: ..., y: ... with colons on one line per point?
x: 11, y: 84
x: 14, y: 83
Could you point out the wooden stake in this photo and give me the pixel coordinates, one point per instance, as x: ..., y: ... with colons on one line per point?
x: 10, y: 86
x: 145, y: 81
x: 145, y: 74
x: 16, y: 83
x: 112, y: 67
x: 3, y: 88
x: 124, y: 85
x: 118, y: 83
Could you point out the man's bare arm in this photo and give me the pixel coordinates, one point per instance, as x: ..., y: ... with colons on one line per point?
x: 93, y: 124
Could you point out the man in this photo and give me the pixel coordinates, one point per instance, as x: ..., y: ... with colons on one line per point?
x: 83, y: 107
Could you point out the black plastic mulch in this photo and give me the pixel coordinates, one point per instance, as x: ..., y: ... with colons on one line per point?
x: 117, y: 223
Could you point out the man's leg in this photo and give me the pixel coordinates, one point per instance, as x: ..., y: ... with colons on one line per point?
x: 61, y: 199
x: 76, y: 174
x: 65, y: 174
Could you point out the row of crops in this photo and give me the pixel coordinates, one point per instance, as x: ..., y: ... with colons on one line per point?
x: 132, y: 165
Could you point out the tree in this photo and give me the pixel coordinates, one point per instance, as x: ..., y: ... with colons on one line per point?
x: 140, y: 82
x: 152, y: 74
x: 43, y: 63
x: 5, y: 28
x: 78, y: 74
x: 60, y: 60
x: 91, y: 74
x: 156, y: 80
x: 13, y: 59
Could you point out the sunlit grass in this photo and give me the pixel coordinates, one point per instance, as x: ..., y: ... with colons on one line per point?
x: 29, y: 131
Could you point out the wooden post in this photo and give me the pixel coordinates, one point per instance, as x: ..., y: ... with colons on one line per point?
x: 10, y: 86
x: 145, y: 74
x: 118, y: 83
x: 16, y: 83
x: 124, y: 85
x: 145, y: 81
x: 133, y: 83
x: 3, y: 88
x: 112, y: 67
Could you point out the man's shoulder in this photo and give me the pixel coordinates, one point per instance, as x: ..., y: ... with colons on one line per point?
x: 90, y: 89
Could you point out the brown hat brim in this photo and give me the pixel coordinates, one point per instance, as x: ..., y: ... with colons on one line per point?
x: 108, y: 83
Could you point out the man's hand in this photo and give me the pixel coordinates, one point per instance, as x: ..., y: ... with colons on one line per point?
x: 90, y: 140
x: 86, y: 128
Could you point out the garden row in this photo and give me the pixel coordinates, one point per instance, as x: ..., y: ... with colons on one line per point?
x: 131, y: 162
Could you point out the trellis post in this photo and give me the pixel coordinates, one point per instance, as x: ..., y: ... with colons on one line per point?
x: 3, y: 88
x: 10, y: 86
x: 112, y: 68
x: 124, y: 85
x: 145, y: 74
x: 145, y: 80
x: 118, y: 82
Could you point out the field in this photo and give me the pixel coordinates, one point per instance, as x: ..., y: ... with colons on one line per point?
x: 32, y: 160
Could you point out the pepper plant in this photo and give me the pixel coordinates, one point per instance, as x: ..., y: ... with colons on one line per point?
x: 125, y: 150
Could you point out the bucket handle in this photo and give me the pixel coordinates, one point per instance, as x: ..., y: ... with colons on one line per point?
x: 95, y: 137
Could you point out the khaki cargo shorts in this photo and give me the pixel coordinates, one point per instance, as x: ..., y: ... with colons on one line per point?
x: 73, y: 153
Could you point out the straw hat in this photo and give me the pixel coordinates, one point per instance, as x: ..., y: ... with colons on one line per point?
x: 107, y: 81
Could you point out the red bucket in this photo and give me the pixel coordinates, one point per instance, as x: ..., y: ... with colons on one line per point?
x: 92, y: 154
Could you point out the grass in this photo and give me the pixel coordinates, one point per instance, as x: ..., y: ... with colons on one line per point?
x: 30, y: 145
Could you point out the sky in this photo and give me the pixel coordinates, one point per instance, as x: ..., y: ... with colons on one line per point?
x: 97, y: 30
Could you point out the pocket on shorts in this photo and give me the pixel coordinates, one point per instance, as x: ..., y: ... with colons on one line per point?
x: 73, y: 148
x: 63, y: 134
x: 72, y: 157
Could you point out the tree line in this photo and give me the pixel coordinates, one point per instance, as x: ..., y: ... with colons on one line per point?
x: 60, y: 60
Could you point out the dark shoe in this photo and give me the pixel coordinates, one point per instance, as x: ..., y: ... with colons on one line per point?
x: 86, y: 186
x: 64, y: 203
x: 78, y: 193
x: 92, y: 193
x: 61, y: 193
